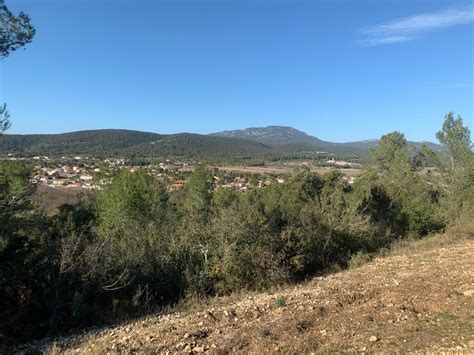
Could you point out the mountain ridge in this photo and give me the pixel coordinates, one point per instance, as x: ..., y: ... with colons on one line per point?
x: 271, y: 142
x: 273, y: 135
x: 287, y: 135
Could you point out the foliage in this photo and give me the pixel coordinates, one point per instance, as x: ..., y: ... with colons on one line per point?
x: 393, y: 148
x: 4, y: 118
x: 131, y: 198
x: 14, y: 196
x: 281, y: 301
x: 456, y: 140
x: 199, y: 193
x: 16, y: 31
x: 139, y: 247
x: 457, y: 167
x: 412, y: 198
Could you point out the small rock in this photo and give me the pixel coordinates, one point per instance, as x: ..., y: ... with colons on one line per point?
x: 186, y: 336
x: 373, y: 339
x: 198, y: 349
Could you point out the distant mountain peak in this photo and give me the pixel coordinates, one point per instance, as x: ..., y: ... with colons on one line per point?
x: 272, y: 135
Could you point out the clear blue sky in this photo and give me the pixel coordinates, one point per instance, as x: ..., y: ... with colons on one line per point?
x: 339, y: 70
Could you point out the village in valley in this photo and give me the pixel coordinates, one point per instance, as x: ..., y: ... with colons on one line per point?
x: 89, y: 173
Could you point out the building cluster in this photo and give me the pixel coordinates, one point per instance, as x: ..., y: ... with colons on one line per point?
x: 74, y: 177
x: 244, y: 184
x: 340, y: 163
x: 93, y: 173
x: 74, y: 172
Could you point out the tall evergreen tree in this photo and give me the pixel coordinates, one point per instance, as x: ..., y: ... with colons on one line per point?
x: 456, y: 140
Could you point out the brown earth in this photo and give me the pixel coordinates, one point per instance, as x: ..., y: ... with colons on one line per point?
x: 50, y: 198
x: 285, y: 170
x: 419, y: 301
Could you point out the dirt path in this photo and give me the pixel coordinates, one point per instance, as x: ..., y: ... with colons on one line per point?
x: 421, y: 302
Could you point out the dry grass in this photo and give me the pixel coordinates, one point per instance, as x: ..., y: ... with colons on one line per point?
x: 49, y: 198
x: 458, y: 233
x: 284, y: 170
x: 415, y: 301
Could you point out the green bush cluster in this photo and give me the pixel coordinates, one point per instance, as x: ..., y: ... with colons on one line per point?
x: 139, y: 247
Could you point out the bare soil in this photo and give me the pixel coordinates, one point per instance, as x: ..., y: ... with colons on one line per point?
x: 417, y: 302
x: 285, y: 170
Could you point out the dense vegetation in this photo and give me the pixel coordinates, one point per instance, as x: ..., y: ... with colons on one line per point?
x: 273, y: 143
x: 130, y: 144
x: 139, y: 247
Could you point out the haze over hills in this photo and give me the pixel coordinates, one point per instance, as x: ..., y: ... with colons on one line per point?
x: 272, y: 142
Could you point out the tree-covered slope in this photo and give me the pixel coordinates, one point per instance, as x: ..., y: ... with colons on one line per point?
x: 188, y: 145
x: 81, y: 142
x: 128, y: 143
x: 272, y: 142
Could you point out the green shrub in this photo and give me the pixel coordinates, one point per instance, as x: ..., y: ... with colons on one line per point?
x: 281, y: 301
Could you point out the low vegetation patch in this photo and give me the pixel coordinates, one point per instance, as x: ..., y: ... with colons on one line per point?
x: 281, y: 301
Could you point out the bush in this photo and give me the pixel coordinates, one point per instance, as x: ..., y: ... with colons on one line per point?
x: 281, y: 301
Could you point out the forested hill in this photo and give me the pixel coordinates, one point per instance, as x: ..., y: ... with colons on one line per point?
x: 127, y: 143
x: 80, y: 142
x: 273, y: 142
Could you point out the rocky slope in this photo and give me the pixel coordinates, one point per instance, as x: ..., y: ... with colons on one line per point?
x: 420, y: 301
x: 274, y: 135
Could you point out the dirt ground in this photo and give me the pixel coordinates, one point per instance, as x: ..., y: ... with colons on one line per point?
x: 50, y: 198
x: 284, y: 170
x: 421, y: 301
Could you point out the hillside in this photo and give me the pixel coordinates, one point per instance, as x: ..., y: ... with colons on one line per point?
x: 128, y: 143
x: 188, y: 145
x: 81, y: 142
x: 273, y: 143
x: 274, y: 135
x: 287, y: 136
x: 419, y: 300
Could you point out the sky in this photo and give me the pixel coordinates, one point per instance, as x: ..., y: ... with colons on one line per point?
x: 339, y: 70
